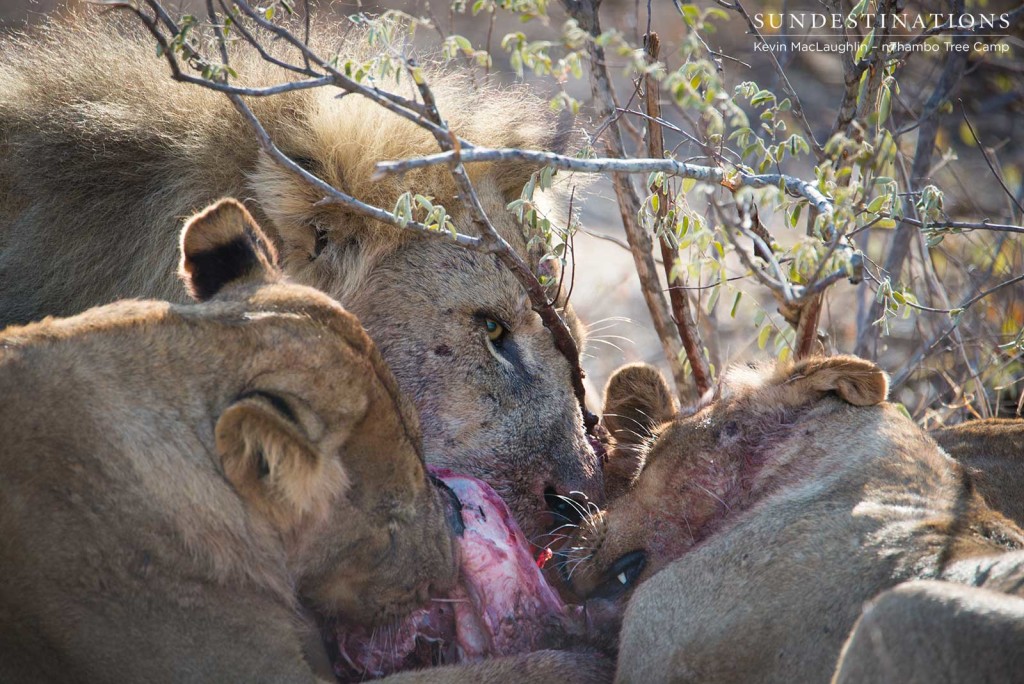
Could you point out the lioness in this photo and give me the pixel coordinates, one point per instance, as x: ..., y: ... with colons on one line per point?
x: 180, y: 482
x: 102, y: 155
x: 773, y: 513
x: 993, y: 451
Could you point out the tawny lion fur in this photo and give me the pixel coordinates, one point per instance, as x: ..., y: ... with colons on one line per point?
x: 182, y: 482
x: 102, y: 156
x: 769, y: 517
x: 993, y: 451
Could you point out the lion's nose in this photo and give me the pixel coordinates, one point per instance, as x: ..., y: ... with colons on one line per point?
x: 568, y: 509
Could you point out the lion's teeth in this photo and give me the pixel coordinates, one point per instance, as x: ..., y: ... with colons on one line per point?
x: 622, y: 578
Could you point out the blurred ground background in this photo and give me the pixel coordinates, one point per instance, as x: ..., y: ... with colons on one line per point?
x: 606, y: 292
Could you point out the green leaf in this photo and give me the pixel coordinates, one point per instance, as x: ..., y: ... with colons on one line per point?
x: 762, y: 337
x: 762, y: 97
x: 884, y: 105
x: 862, y: 89
x: 713, y: 299
x: 859, y: 9
x: 876, y: 204
x: 865, y: 45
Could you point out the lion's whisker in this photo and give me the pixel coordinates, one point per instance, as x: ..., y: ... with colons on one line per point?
x: 609, y: 319
x: 610, y: 337
x: 712, y: 495
x: 642, y: 426
x: 574, y: 503
x: 606, y: 342
x: 579, y: 562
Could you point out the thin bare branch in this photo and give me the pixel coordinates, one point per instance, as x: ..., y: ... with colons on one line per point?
x: 586, y: 15
x: 689, y: 333
x: 539, y: 300
x: 732, y: 179
x: 258, y: 46
x: 926, y: 350
x: 984, y: 224
x: 991, y: 165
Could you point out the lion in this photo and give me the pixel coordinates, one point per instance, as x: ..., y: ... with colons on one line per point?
x: 993, y: 450
x: 102, y: 156
x: 183, y: 484
x: 760, y: 523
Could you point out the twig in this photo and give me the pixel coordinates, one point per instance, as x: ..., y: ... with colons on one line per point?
x: 900, y: 245
x: 572, y: 249
x: 264, y: 55
x: 689, y: 333
x: 763, y: 249
x: 910, y: 367
x: 586, y: 15
x: 853, y: 70
x: 332, y: 196
x: 973, y: 300
x: 732, y: 179
x: 988, y: 161
x: 615, y: 241
x: 402, y: 106
x: 787, y: 87
x: 984, y: 224
x: 774, y: 285
x: 552, y: 320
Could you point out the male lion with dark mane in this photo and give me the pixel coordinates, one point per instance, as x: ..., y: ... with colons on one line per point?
x: 180, y: 483
x: 759, y: 525
x: 102, y: 156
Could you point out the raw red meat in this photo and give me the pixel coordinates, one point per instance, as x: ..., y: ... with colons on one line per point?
x: 502, y: 605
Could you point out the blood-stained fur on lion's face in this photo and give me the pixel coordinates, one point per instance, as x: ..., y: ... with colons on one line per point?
x: 699, y: 469
x: 99, y: 163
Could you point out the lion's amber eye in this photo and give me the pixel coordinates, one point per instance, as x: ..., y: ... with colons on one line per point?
x: 495, y: 330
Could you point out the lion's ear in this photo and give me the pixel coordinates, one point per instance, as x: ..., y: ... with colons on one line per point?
x: 636, y: 401
x: 222, y: 245
x: 270, y: 460
x: 854, y: 380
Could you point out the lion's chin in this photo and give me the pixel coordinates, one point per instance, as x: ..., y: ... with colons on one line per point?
x: 502, y: 605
